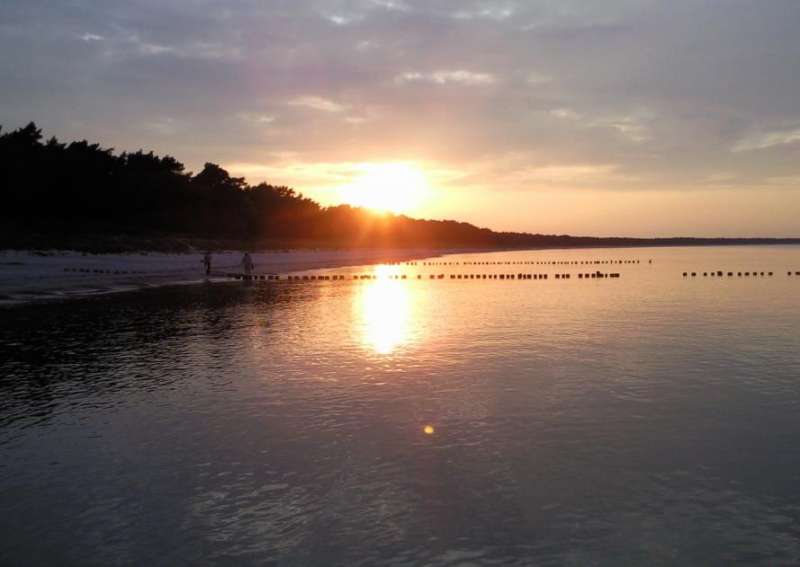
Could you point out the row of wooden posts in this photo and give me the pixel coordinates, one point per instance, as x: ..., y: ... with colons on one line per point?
x: 720, y: 273
x: 322, y: 277
x: 526, y: 263
x: 99, y: 271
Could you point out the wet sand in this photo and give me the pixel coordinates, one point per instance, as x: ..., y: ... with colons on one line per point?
x: 27, y: 276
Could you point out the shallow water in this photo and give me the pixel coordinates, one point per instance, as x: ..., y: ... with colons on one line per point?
x: 651, y: 419
x: 27, y: 276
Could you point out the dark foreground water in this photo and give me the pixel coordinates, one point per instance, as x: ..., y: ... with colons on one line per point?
x: 651, y: 419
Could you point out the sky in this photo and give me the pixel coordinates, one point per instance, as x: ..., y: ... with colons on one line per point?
x: 602, y: 117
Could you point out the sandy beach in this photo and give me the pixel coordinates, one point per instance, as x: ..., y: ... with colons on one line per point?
x: 43, y: 275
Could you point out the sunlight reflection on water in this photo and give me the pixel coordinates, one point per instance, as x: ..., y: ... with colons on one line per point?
x: 384, y: 309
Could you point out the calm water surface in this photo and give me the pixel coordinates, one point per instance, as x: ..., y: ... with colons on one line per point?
x: 652, y: 419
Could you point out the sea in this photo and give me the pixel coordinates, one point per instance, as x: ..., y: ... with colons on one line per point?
x: 401, y: 416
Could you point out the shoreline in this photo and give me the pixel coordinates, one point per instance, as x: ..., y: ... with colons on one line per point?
x: 37, y: 275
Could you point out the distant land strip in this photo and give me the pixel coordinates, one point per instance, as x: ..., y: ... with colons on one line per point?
x: 79, y: 196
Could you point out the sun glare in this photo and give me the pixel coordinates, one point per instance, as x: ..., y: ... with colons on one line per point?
x: 387, y: 187
x: 385, y: 306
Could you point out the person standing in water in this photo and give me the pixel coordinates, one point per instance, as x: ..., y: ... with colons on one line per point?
x: 247, y: 264
x: 207, y: 262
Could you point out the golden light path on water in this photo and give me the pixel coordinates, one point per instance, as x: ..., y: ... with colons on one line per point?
x: 384, y: 307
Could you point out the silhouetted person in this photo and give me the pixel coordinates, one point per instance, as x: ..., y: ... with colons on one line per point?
x: 207, y: 262
x: 247, y: 263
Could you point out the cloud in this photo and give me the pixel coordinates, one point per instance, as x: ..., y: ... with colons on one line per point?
x: 256, y: 118
x: 192, y: 50
x: 153, y: 48
x: 394, y: 5
x: 535, y: 78
x: 631, y: 126
x: 721, y: 177
x: 161, y: 126
x: 569, y: 173
x: 124, y: 43
x: 366, y: 45
x: 459, y: 76
x: 549, y: 177
x: 318, y: 103
x: 785, y: 181
x: 767, y: 140
x: 489, y: 11
x: 344, y: 19
x: 565, y: 114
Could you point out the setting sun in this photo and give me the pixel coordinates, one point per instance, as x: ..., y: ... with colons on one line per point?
x: 387, y: 187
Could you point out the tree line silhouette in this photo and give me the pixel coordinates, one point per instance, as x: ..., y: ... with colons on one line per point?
x: 63, y: 190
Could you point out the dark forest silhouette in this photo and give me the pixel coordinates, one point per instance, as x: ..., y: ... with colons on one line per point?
x: 63, y: 191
